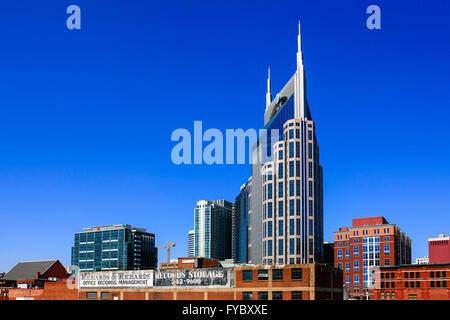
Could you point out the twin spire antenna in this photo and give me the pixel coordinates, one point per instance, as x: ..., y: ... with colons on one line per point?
x: 299, y: 64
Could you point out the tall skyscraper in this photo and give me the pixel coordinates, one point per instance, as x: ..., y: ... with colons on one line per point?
x: 212, y: 229
x: 286, y: 215
x: 368, y: 243
x: 240, y: 224
x: 114, y: 247
x: 191, y: 237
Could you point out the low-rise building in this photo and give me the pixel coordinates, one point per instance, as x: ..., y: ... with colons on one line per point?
x: 412, y: 282
x: 289, y: 282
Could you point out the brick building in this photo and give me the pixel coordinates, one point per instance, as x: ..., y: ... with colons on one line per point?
x: 368, y: 243
x: 412, y: 282
x: 439, y: 249
x: 290, y: 282
x: 34, y: 274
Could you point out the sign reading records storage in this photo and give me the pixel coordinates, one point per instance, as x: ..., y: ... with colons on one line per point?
x: 208, y: 277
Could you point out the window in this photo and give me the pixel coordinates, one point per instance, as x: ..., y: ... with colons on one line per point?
x: 91, y: 295
x: 280, y: 155
x: 247, y: 275
x: 263, y: 295
x: 291, y: 134
x: 291, y: 149
x: 432, y: 284
x: 291, y: 168
x: 263, y: 275
x: 291, y: 188
x: 296, y: 295
x: 280, y: 228
x: 393, y: 295
x: 387, y: 249
x: 280, y: 208
x: 297, y: 149
x: 406, y: 284
x: 347, y: 267
x: 412, y: 296
x: 280, y: 189
x: 247, y: 296
x: 347, y: 281
x: 105, y: 295
x: 296, y: 274
x: 280, y: 248
x: 339, y: 254
x: 356, y: 280
x: 432, y: 274
x: 277, y: 274
x: 355, y: 265
x: 277, y: 295
x: 356, y: 251
x: 417, y: 284
x: 444, y: 284
x: 347, y: 253
x: 387, y: 262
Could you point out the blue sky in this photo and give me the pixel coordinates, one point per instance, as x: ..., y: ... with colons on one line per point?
x: 87, y: 115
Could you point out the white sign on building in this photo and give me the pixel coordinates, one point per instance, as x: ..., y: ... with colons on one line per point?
x: 116, y: 279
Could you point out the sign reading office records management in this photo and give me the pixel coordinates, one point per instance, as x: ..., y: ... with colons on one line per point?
x: 208, y: 277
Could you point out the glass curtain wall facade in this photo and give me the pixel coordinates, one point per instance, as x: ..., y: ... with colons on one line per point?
x: 115, y: 247
x: 213, y: 229
x: 240, y: 224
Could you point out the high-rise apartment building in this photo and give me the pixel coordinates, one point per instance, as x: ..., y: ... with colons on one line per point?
x: 240, y: 224
x: 212, y: 229
x: 439, y: 249
x: 191, y: 237
x: 286, y: 215
x: 114, y: 247
x: 368, y: 243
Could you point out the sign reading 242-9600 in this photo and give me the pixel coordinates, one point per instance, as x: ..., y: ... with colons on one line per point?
x: 211, y: 277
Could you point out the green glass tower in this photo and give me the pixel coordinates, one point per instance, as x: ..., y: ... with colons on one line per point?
x: 114, y: 247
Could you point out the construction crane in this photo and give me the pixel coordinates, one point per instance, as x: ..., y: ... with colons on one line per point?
x: 169, y: 245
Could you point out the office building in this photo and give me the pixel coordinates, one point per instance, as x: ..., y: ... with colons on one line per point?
x: 240, y: 224
x: 114, y: 247
x: 368, y: 243
x: 212, y: 229
x: 439, y: 249
x: 423, y: 260
x: 286, y: 215
x: 412, y: 282
x: 191, y: 238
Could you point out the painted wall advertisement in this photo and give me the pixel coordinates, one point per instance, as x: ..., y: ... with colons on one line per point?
x: 208, y: 277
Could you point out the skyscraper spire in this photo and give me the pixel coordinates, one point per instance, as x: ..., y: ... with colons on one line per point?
x: 299, y: 47
x: 268, y: 94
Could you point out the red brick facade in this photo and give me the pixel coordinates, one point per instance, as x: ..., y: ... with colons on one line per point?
x: 413, y: 282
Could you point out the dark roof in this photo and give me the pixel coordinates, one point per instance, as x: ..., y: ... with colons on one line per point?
x: 28, y: 270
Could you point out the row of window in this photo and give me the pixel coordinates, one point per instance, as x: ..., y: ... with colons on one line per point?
x: 414, y: 284
x: 276, y: 295
x: 277, y: 274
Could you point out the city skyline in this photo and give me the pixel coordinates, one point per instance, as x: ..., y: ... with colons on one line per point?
x: 86, y: 136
